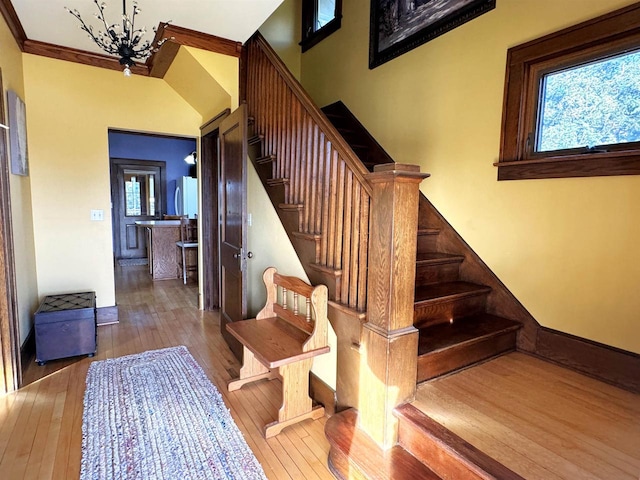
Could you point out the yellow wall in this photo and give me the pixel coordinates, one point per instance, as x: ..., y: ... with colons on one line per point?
x: 282, y: 31
x: 70, y: 107
x: 26, y: 282
x: 207, y: 81
x: 268, y: 242
x: 567, y: 248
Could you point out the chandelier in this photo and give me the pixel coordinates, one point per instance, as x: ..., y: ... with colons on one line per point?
x: 121, y: 40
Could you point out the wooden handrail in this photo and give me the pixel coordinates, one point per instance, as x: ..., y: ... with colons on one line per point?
x: 320, y: 118
x: 323, y: 179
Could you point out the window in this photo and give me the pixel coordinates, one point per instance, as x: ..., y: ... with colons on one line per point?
x: 320, y: 18
x: 572, y: 102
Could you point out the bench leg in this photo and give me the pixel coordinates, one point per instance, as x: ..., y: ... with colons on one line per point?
x: 296, y: 403
x: 251, y: 371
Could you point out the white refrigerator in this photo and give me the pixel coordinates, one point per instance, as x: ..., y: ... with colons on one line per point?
x: 186, y: 196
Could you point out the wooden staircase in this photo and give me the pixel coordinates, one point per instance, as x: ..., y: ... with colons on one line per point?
x: 450, y: 310
x: 315, y: 167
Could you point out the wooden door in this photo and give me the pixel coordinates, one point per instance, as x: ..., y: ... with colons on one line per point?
x: 137, y: 192
x: 233, y: 216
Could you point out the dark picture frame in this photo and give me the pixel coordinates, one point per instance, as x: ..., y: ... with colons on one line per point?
x: 398, y: 26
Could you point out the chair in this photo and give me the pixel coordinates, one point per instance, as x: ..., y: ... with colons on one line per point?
x: 188, y: 240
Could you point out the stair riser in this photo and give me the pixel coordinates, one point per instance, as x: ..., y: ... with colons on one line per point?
x: 427, y: 243
x: 432, y: 313
x: 435, y: 454
x: 278, y: 193
x: 447, y: 454
x: 428, y: 274
x: 291, y: 219
x: 438, y: 363
x: 308, y: 249
x: 332, y: 283
x: 265, y: 171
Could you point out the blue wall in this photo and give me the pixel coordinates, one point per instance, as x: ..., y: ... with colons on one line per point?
x: 149, y: 147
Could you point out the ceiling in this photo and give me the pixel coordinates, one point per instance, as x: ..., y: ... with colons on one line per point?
x: 48, y: 21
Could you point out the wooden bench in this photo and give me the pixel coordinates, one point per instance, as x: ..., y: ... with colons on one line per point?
x: 281, y: 342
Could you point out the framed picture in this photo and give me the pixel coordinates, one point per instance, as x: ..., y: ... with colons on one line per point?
x: 17, y: 134
x: 398, y: 26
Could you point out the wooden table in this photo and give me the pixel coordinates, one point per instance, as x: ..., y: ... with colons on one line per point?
x: 162, y: 236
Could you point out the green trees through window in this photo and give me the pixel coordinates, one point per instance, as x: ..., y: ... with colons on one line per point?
x: 590, y: 105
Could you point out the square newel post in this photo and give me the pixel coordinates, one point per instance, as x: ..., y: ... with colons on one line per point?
x: 389, y: 339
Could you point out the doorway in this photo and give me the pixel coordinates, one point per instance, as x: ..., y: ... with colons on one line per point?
x: 209, y: 167
x: 137, y: 193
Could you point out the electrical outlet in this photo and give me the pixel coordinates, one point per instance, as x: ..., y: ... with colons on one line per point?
x: 97, y: 215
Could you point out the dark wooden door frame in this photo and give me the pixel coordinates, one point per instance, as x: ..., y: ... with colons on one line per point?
x: 10, y: 360
x: 115, y: 164
x: 209, y: 216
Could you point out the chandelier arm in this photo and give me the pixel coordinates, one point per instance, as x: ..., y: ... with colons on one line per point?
x: 89, y: 30
x: 107, y: 29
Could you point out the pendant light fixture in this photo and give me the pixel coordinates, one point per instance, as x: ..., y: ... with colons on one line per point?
x: 118, y: 39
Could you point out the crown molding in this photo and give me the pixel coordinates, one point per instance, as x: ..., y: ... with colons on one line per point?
x: 79, y: 56
x: 13, y: 22
x: 156, y: 65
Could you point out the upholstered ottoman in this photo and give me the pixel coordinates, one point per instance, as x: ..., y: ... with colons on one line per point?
x: 66, y: 326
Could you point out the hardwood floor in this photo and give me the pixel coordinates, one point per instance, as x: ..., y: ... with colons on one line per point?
x: 40, y: 425
x: 540, y: 420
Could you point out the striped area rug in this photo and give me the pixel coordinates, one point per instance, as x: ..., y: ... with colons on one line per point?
x: 155, y: 415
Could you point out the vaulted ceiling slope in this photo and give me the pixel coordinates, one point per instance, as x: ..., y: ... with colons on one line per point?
x: 46, y: 28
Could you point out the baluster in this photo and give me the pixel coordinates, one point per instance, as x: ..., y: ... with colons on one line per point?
x: 295, y: 303
x: 308, y: 313
x: 347, y: 239
x: 284, y: 298
x: 355, y: 245
x: 363, y: 254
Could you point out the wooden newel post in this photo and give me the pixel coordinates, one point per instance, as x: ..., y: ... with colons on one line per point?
x: 389, y: 339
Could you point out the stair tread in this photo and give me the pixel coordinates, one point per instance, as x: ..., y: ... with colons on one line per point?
x: 437, y: 257
x: 291, y: 206
x: 464, y: 330
x: 437, y: 291
x: 395, y: 463
x: 428, y: 231
x: 255, y: 139
x: 277, y: 181
x: 265, y: 159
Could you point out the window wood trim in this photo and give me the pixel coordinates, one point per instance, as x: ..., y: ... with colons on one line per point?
x: 309, y: 13
x: 608, y: 32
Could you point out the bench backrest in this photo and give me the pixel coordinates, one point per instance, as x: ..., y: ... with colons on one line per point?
x: 299, y: 304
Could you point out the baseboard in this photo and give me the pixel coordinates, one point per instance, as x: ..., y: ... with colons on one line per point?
x: 28, y: 349
x: 603, y: 362
x: 107, y: 315
x: 323, y: 394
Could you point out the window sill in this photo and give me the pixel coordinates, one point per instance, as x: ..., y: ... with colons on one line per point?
x: 319, y: 35
x: 568, y: 166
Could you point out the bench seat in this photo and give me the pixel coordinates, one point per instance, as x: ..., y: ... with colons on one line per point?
x: 281, y: 342
x: 273, y: 341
